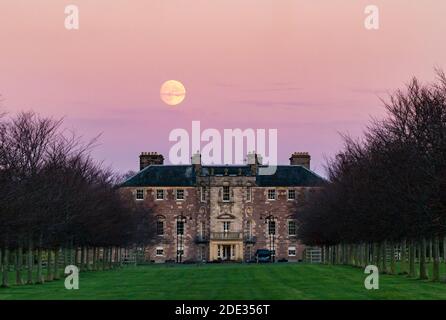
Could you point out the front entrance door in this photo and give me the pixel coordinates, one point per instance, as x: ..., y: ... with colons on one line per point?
x: 226, y: 252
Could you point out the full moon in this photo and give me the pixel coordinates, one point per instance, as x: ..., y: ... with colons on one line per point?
x: 172, y: 92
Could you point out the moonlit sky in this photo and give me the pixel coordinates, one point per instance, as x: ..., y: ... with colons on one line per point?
x: 308, y: 68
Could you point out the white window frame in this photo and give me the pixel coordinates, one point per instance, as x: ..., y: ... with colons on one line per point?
x: 156, y: 194
x: 180, y: 248
x: 203, y: 194
x: 184, y: 227
x: 268, y: 193
x: 249, y: 194
x: 156, y: 252
x: 288, y: 195
x: 295, y: 228
x: 136, y: 194
x: 292, y: 249
x: 176, y: 195
x: 157, y: 222
x: 270, y: 222
x: 226, y: 226
x: 229, y: 194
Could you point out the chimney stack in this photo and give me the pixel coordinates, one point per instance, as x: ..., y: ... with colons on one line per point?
x: 196, y: 162
x: 254, y: 160
x: 300, y: 159
x: 148, y: 158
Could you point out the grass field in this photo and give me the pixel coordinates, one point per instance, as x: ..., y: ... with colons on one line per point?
x: 231, y: 281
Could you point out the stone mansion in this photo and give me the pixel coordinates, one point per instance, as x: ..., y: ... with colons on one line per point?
x: 226, y: 212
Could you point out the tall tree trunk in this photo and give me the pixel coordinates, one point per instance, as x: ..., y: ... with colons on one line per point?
x: 76, y: 257
x: 40, y: 279
x: 384, y: 257
x: 403, y: 258
x: 82, y: 267
x: 377, y: 253
x: 392, y: 258
x: 444, y: 249
x: 430, y: 255
x: 49, y: 269
x: 30, y: 262
x: 110, y: 257
x: 412, y: 259
x: 5, y: 265
x: 65, y: 251
x: 94, y: 259
x: 436, y: 259
x: 423, y: 269
x: 87, y: 258
x: 19, y: 264
x: 104, y: 258
x: 56, y: 264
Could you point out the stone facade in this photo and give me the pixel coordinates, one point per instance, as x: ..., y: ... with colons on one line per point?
x: 224, y: 214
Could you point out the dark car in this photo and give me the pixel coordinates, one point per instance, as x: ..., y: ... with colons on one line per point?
x: 263, y: 255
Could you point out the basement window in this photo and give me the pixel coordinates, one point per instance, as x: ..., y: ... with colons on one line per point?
x: 292, y: 251
x: 159, y: 251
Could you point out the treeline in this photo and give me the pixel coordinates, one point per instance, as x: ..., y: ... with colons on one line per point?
x: 386, y: 193
x: 57, y: 205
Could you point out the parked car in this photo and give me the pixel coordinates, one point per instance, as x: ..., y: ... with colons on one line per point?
x: 263, y: 255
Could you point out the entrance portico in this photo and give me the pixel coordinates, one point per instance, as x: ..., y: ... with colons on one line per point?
x: 226, y: 250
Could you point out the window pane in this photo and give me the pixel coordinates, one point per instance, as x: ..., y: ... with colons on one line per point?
x: 180, y: 194
x: 203, y: 193
x: 272, y: 227
x: 271, y: 194
x: 292, y: 228
x: 291, y: 194
x: 139, y: 194
x: 180, y: 227
x: 226, y: 195
x: 159, y: 194
x: 160, y: 228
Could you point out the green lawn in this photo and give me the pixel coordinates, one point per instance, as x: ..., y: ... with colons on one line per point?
x: 231, y: 281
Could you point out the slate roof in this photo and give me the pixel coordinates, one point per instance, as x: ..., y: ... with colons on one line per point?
x: 163, y: 175
x: 287, y: 176
x: 184, y: 176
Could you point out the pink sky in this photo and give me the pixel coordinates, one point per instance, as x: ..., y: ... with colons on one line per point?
x: 308, y: 68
